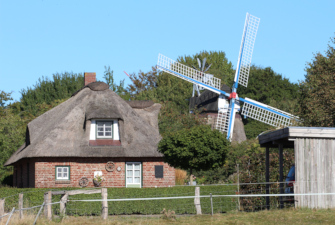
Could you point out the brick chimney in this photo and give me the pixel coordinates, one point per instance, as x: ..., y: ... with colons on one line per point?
x: 89, y: 78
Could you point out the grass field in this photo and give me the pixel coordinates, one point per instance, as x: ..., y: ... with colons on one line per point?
x: 277, y: 217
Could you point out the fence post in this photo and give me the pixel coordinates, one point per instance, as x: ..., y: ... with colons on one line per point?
x: 211, y: 203
x: 238, y: 186
x: 47, y: 202
x: 197, y: 200
x: 104, y: 211
x: 62, y: 204
x: 21, y: 205
x: 2, y: 207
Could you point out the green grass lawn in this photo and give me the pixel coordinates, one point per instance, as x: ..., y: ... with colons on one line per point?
x: 277, y: 217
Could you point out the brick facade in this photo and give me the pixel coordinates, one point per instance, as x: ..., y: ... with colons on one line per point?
x: 41, y: 172
x: 89, y: 78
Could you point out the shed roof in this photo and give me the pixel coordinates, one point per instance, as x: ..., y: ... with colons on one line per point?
x: 287, y: 135
x: 64, y: 132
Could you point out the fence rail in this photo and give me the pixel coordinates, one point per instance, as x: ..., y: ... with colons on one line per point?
x: 98, y: 202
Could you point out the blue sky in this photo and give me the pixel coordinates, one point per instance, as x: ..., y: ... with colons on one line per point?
x: 42, y: 37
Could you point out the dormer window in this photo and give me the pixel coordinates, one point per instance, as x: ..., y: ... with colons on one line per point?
x: 104, y: 132
x: 105, y: 129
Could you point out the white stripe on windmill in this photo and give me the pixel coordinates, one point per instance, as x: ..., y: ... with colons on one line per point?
x: 206, y: 78
x: 230, y: 103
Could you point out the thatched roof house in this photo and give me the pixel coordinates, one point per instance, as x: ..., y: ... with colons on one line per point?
x: 77, y: 139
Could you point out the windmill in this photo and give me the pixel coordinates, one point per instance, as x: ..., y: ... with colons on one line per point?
x: 229, y: 104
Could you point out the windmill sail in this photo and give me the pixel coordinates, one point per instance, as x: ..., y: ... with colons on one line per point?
x: 246, y: 49
x: 177, y: 69
x: 222, y: 121
x: 266, y: 114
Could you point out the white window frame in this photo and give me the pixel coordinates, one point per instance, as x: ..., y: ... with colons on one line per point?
x: 62, y: 172
x: 115, y: 131
x: 133, y: 184
x: 104, y: 129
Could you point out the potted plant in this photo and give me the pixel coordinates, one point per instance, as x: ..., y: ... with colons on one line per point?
x: 97, y: 180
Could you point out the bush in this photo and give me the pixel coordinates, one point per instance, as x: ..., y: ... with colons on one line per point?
x: 33, y: 197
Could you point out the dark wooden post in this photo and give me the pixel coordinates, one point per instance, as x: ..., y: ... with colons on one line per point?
x: 21, y: 205
x: 104, y: 212
x: 267, y: 177
x: 281, y: 175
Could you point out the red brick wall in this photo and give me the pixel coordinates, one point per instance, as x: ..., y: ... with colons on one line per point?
x: 89, y: 78
x: 149, y: 175
x: 85, y: 167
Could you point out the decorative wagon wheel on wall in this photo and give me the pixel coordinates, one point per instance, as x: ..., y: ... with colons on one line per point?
x: 110, y: 166
x: 83, y: 182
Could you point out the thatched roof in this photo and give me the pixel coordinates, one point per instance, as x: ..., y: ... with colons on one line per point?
x: 208, y: 100
x: 64, y: 130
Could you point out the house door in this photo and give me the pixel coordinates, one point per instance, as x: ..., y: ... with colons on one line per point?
x: 133, y: 174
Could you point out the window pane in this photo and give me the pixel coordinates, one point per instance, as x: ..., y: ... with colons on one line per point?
x: 65, y: 169
x: 137, y: 173
x: 108, y: 134
x: 137, y: 166
x: 129, y: 166
x: 137, y: 180
x: 100, y: 129
x: 108, y: 129
x: 129, y: 173
x: 59, y: 169
x: 129, y: 180
x: 100, y: 133
x: 64, y: 175
x: 59, y: 175
x: 108, y: 124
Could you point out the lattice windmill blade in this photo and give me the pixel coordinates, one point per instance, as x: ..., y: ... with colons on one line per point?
x: 246, y: 49
x: 222, y: 120
x: 189, y: 74
x: 203, y: 65
x: 266, y: 114
x: 208, y: 67
x: 199, y: 63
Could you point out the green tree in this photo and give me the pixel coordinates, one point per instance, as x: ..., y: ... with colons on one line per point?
x: 142, y: 82
x: 196, y: 148
x: 12, y: 134
x: 46, y: 91
x: 4, y: 97
x: 317, y: 102
x: 270, y: 88
x: 265, y: 85
x: 118, y: 89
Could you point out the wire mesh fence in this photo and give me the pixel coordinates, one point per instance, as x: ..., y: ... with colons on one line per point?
x: 181, y: 200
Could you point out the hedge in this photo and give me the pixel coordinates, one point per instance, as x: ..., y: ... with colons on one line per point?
x: 34, y: 197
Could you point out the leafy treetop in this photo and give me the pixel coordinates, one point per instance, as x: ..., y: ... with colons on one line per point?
x: 317, y: 102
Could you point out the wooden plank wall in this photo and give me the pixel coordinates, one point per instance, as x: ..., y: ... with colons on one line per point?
x: 315, y: 172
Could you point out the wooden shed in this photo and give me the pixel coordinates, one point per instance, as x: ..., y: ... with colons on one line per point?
x: 314, y: 150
